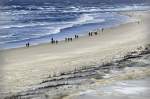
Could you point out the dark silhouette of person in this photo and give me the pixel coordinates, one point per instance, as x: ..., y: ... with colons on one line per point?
x: 56, y: 41
x: 95, y: 33
x: 77, y: 36
x: 52, y: 40
x: 89, y: 34
x: 66, y: 39
x: 27, y: 44
x: 102, y: 29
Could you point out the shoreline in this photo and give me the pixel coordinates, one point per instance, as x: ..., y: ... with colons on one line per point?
x: 21, y: 65
x: 82, y: 36
x: 63, y: 41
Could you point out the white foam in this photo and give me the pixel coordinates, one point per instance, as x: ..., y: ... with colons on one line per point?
x: 21, y: 25
x: 83, y: 18
x: 128, y: 8
x: 85, y: 9
x: 6, y: 36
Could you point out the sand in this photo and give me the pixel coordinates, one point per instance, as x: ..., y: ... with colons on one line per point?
x: 24, y: 67
x: 129, y: 89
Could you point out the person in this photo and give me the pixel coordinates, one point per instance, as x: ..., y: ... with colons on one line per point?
x: 102, y: 29
x: 89, y: 34
x: 75, y: 36
x: 56, y: 41
x: 95, y: 33
x: 27, y: 44
x: 52, y: 40
x: 66, y: 39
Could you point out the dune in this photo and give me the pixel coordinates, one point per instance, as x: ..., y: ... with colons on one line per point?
x: 24, y: 67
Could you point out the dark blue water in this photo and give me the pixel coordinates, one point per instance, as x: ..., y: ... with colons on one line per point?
x: 36, y: 21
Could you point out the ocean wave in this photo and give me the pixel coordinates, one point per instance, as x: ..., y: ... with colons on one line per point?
x: 41, y: 29
x: 59, y: 26
x: 13, y: 40
x: 21, y: 25
x: 106, y: 8
x: 18, y: 10
x: 128, y: 8
x: 82, y: 9
x: 83, y: 19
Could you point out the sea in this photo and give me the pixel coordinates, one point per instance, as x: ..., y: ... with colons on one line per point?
x: 37, y: 21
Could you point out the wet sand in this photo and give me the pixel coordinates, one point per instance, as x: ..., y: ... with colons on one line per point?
x: 23, y: 67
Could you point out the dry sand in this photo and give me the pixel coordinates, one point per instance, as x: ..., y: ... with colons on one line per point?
x: 22, y: 67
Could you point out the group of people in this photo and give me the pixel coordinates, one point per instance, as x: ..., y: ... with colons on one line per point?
x: 54, y: 41
x: 27, y: 44
x: 95, y: 33
x: 76, y: 36
x: 91, y: 33
x: 68, y: 39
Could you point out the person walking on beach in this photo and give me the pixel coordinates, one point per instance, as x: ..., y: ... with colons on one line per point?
x: 102, y: 29
x: 52, y: 40
x: 66, y: 39
x: 69, y: 39
x: 56, y: 41
x: 89, y: 34
x: 76, y: 36
x: 95, y: 33
x: 27, y: 44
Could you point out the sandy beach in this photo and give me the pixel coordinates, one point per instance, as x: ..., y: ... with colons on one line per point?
x: 23, y: 67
